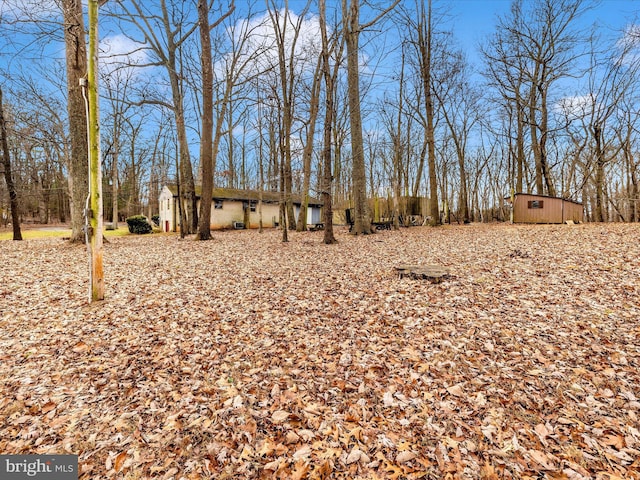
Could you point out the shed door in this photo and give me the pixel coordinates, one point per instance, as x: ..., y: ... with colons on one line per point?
x: 315, y: 215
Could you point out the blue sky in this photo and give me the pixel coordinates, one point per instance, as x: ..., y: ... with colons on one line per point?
x: 474, y: 20
x: 471, y: 20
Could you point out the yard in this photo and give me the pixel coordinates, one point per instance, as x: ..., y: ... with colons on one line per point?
x: 244, y: 357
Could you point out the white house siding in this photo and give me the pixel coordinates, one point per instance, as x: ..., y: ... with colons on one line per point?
x: 233, y: 210
x: 167, y: 214
x: 270, y: 216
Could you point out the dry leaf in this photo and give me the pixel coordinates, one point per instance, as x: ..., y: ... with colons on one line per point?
x: 405, y: 456
x: 456, y: 390
x: 354, y: 456
x: 280, y: 416
x: 119, y: 461
x: 247, y: 358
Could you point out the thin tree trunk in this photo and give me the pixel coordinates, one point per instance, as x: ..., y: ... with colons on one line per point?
x: 114, y: 181
x: 535, y: 145
x: 13, y: 196
x: 544, y: 133
x: 329, y: 81
x: 520, y: 156
x: 307, y: 153
x: 599, y: 178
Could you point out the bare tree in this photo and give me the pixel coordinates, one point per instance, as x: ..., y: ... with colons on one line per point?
x: 331, y: 52
x: 117, y: 86
x: 505, y: 72
x: 206, y: 135
x: 233, y: 68
x: 76, y: 57
x: 607, y: 93
x: 537, y: 49
x: 307, y: 151
x: 461, y: 111
x: 626, y: 136
x: 282, y: 21
x: 421, y: 38
x: 8, y: 177
x: 164, y: 34
x: 351, y: 30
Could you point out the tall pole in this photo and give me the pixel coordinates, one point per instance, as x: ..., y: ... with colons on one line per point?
x: 94, y: 213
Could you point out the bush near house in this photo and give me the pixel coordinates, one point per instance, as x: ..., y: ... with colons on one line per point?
x: 139, y: 224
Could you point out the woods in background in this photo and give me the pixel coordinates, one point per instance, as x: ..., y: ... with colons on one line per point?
x: 350, y: 102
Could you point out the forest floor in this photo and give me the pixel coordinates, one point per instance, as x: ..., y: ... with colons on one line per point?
x: 245, y: 357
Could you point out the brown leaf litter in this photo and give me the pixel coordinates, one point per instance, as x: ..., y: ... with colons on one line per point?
x: 244, y: 357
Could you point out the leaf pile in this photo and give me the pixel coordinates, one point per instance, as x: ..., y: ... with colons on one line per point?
x: 244, y: 357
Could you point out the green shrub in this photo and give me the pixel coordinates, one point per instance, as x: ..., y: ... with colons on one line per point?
x: 156, y: 220
x: 139, y: 224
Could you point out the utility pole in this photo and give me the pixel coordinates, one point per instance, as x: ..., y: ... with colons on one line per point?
x: 94, y: 212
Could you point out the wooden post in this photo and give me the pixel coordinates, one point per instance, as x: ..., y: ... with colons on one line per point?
x: 94, y: 213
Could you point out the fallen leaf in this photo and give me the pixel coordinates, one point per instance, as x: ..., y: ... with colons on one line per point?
x: 280, y: 416
x: 405, y: 456
x: 456, y: 390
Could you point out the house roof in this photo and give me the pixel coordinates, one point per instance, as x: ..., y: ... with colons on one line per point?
x: 250, y: 195
x: 542, y: 196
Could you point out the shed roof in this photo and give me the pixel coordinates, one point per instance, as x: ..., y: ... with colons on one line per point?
x: 250, y: 195
x: 542, y: 196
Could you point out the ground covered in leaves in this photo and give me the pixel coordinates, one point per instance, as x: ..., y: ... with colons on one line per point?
x: 244, y: 357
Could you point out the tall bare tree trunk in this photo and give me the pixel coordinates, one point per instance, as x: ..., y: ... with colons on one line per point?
x: 544, y: 135
x: 114, y: 181
x: 286, y: 66
x: 362, y: 220
x: 398, y: 154
x: 206, y: 140
x: 329, y: 81
x: 599, y: 177
x: 189, y: 223
x: 425, y: 37
x: 307, y: 152
x: 13, y: 196
x: 520, y: 155
x: 76, y: 62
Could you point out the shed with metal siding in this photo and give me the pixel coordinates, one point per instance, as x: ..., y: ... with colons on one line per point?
x: 529, y: 208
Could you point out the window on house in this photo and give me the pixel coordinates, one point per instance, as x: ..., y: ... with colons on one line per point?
x: 217, y: 204
x: 535, y: 204
x: 168, y: 204
x: 252, y: 206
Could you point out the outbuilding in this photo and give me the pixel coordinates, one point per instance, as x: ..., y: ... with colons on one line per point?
x: 234, y: 208
x: 529, y: 208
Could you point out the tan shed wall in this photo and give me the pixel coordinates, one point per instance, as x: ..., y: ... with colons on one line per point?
x: 573, y: 211
x: 555, y: 210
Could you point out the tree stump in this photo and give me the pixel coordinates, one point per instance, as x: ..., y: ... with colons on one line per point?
x: 433, y: 273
